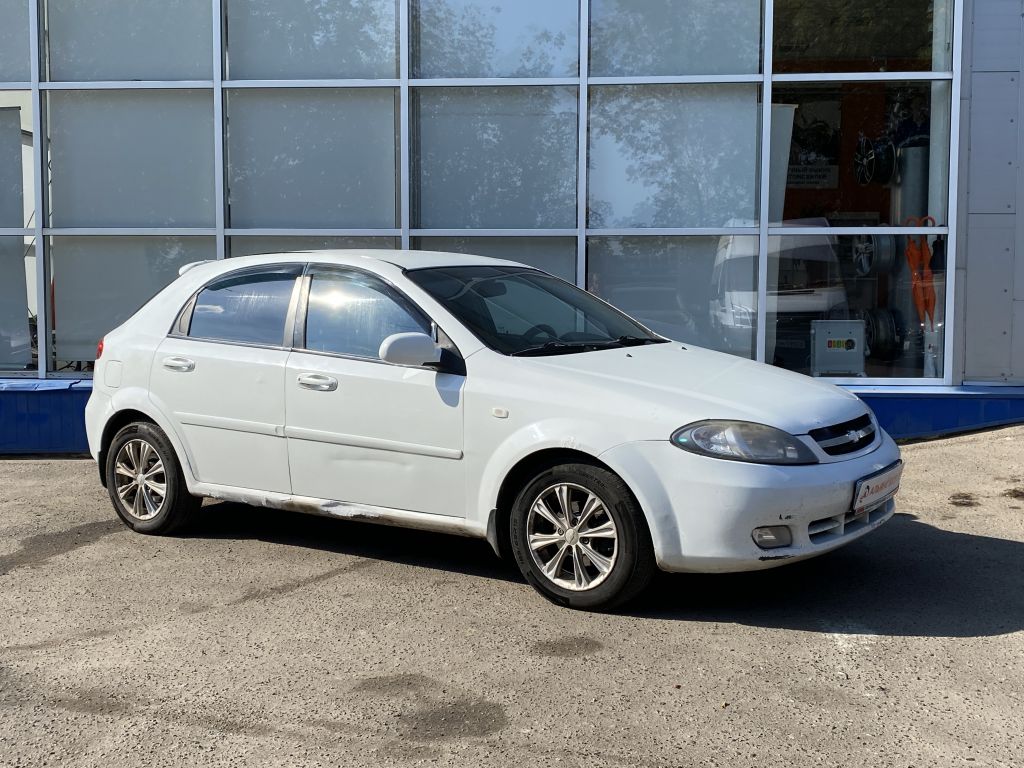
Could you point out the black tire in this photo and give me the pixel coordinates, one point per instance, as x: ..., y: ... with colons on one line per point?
x: 177, y: 505
x: 633, y: 564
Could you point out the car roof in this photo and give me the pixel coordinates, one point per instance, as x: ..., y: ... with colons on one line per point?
x: 356, y: 257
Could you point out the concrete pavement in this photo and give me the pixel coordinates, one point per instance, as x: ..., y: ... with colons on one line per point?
x: 269, y: 638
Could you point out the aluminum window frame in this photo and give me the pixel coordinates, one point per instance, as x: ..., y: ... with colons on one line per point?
x: 404, y: 85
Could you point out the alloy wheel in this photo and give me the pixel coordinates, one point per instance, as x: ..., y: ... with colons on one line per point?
x: 572, y: 536
x: 140, y: 479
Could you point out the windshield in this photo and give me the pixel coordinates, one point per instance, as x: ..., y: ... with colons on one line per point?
x: 519, y: 311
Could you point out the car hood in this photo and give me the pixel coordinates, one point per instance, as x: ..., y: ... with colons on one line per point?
x: 687, y: 383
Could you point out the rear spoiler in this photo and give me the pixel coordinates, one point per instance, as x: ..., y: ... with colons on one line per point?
x: 190, y: 265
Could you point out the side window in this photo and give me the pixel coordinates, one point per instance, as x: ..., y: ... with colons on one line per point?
x: 350, y: 313
x: 251, y: 307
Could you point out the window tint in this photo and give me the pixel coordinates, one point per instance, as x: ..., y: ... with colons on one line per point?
x: 515, y: 309
x: 520, y: 311
x: 249, y: 308
x: 351, y: 313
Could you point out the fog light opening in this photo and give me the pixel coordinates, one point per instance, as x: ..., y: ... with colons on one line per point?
x: 773, y: 536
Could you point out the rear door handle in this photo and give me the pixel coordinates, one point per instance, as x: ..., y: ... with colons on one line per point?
x: 317, y: 382
x: 180, y: 364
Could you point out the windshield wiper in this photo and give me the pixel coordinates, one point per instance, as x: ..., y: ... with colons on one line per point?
x: 565, y: 347
x: 558, y: 348
x: 638, y: 341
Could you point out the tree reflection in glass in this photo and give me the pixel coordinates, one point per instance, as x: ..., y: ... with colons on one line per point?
x: 495, y: 38
x: 668, y: 37
x: 501, y: 157
x: 312, y: 39
x: 673, y: 155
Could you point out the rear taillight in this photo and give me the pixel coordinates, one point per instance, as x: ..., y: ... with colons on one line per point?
x: 99, y: 349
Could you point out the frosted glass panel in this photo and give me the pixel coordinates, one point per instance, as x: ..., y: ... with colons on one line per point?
x: 15, y: 327
x: 699, y: 290
x: 249, y: 245
x: 131, y: 158
x: 118, y: 40
x: 669, y: 37
x: 555, y: 255
x: 312, y: 158
x: 500, y: 157
x: 14, y: 51
x: 88, y: 303
x: 274, y: 40
x: 673, y: 155
x: 495, y: 38
x: 17, y: 180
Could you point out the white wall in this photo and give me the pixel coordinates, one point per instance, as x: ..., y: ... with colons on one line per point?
x: 990, y: 263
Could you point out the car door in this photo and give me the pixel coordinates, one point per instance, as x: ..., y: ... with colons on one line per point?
x: 220, y: 374
x: 361, y: 430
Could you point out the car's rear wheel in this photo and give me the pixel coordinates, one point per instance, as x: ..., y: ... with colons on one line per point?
x: 580, y: 538
x: 145, y: 480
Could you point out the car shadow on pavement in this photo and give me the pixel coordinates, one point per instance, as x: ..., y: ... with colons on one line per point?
x: 907, y: 579
x: 424, y: 549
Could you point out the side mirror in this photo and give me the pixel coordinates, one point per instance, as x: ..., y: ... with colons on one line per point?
x: 409, y: 349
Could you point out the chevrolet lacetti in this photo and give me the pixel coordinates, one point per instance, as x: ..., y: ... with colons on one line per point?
x: 483, y: 398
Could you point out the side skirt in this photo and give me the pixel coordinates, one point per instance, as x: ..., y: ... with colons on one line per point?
x: 366, y: 513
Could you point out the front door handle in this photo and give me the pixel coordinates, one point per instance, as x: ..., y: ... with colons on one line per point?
x: 180, y: 364
x: 317, y: 382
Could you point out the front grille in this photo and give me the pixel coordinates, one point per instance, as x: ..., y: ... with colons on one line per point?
x: 848, y: 437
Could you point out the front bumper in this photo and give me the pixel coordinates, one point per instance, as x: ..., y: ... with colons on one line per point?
x: 702, y: 511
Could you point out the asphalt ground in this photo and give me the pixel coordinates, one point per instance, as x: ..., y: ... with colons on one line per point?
x: 271, y: 638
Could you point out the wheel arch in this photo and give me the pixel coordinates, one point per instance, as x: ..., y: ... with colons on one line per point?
x: 115, y: 424
x: 521, y: 473
x: 129, y: 407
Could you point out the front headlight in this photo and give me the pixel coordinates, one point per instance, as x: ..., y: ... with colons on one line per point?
x: 743, y: 441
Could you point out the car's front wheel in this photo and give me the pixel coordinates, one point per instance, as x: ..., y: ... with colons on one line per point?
x: 580, y: 538
x: 145, y: 480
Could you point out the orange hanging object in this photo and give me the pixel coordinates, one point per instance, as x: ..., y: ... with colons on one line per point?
x: 928, y: 290
x: 927, y: 283
x: 922, y: 285
x: 915, y: 262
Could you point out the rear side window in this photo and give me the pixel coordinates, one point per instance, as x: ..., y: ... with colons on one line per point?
x: 351, y: 313
x: 251, y: 308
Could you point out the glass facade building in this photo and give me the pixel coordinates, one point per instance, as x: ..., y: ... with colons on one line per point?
x: 749, y: 176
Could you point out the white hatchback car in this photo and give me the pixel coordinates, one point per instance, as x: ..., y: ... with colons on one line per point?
x: 483, y: 398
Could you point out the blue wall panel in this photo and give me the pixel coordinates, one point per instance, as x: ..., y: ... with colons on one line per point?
x: 961, y: 409
x: 41, y: 417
